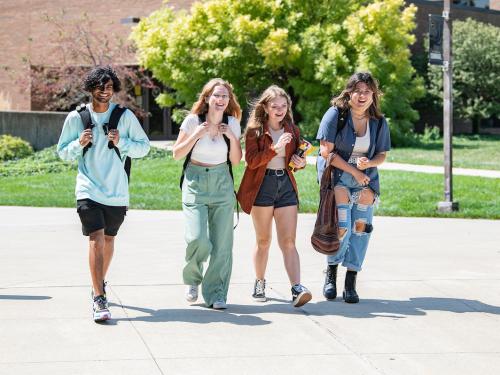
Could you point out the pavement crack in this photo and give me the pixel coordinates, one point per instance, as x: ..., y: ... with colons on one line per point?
x: 333, y: 336
x: 136, y: 330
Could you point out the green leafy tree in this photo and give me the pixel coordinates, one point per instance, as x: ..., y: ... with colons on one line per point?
x: 476, y: 72
x: 308, y: 47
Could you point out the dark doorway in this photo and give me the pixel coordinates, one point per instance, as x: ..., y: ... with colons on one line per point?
x: 159, y: 124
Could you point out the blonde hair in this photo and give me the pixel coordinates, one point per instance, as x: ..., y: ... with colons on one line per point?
x: 342, y: 101
x: 201, y: 105
x: 258, y: 116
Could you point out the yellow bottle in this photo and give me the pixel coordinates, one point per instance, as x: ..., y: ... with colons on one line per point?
x: 304, y: 149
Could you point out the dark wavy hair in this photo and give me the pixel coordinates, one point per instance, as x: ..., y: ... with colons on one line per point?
x: 342, y: 101
x: 99, y: 76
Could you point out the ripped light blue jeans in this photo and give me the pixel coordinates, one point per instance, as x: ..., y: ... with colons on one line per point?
x: 353, y: 218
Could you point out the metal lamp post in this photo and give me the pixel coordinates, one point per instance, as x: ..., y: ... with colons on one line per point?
x: 448, y: 205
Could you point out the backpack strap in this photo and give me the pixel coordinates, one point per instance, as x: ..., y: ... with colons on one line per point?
x: 84, y: 113
x: 114, y: 119
x: 201, y: 119
x: 225, y: 120
x: 341, y: 120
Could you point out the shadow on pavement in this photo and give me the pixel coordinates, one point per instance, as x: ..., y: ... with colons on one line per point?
x: 367, y: 308
x: 22, y: 297
x: 377, y: 308
x: 202, y: 316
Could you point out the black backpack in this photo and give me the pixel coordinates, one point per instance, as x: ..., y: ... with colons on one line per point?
x: 225, y: 120
x: 114, y: 118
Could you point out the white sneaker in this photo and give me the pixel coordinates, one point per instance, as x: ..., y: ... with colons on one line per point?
x: 100, y: 309
x: 219, y: 305
x: 259, y: 291
x: 191, y: 293
x: 300, y: 295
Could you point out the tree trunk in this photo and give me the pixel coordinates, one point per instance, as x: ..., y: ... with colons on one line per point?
x: 475, y: 125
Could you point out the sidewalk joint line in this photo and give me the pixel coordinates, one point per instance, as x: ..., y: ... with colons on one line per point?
x: 137, y: 331
x: 333, y: 335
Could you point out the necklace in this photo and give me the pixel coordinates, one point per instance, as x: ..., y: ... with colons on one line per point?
x: 359, y: 118
x: 213, y: 136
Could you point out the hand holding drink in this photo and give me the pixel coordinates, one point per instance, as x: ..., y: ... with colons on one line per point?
x: 304, y: 149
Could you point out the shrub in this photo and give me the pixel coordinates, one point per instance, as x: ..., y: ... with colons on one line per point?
x: 13, y: 148
x: 47, y: 161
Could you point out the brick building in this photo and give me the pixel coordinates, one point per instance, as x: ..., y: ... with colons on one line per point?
x: 24, y: 34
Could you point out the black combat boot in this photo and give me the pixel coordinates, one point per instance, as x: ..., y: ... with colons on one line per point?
x: 330, y: 287
x: 350, y: 295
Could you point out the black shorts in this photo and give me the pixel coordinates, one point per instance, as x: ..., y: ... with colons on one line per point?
x: 276, y: 190
x: 95, y: 216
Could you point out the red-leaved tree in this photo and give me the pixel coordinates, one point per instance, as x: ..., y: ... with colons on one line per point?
x: 76, y: 45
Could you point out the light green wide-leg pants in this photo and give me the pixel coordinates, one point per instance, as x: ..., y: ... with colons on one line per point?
x: 208, y: 205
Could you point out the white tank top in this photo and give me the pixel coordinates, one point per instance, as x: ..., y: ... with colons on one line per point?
x: 362, y: 144
x: 208, y: 149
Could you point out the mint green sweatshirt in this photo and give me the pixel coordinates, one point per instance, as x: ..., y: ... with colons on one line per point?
x: 101, y: 175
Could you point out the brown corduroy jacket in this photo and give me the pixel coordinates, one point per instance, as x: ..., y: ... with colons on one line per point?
x: 258, y: 153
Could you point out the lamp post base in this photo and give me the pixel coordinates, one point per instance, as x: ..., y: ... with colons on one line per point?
x: 447, y: 206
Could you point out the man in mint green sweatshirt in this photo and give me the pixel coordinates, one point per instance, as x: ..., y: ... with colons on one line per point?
x: 101, y: 184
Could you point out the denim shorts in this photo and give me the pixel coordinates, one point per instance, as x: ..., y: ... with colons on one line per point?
x: 276, y: 190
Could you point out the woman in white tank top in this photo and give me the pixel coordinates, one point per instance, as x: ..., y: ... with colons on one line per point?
x: 208, y: 190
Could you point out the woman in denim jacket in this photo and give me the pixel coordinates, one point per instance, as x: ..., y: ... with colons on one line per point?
x: 357, y: 133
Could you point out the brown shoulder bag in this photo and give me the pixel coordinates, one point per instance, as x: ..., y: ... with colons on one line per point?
x: 325, y: 235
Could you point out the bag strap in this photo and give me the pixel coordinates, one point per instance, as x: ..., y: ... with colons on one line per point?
x: 84, y: 113
x: 380, y: 120
x: 341, y: 120
x: 326, y: 178
x: 114, y: 119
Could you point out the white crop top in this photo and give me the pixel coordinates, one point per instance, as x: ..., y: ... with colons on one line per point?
x: 209, y: 150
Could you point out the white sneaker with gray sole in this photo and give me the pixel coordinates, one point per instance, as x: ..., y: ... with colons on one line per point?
x: 219, y: 305
x: 191, y: 293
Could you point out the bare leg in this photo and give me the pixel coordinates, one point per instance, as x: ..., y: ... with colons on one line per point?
x: 262, y: 221
x: 109, y: 249
x: 96, y: 260
x: 286, y: 227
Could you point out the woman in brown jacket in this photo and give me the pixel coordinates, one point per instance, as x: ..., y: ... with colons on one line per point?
x: 268, y: 189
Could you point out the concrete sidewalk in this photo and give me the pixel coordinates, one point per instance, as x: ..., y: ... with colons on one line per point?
x: 430, y: 303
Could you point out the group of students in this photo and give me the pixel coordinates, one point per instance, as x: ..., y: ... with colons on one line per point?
x: 209, y: 141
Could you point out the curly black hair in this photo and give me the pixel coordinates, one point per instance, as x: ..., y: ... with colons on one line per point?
x: 99, y: 76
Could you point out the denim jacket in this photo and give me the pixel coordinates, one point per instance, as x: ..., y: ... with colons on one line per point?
x: 380, y: 141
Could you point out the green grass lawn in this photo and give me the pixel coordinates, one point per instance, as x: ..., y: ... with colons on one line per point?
x: 154, y: 185
x: 479, y: 152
